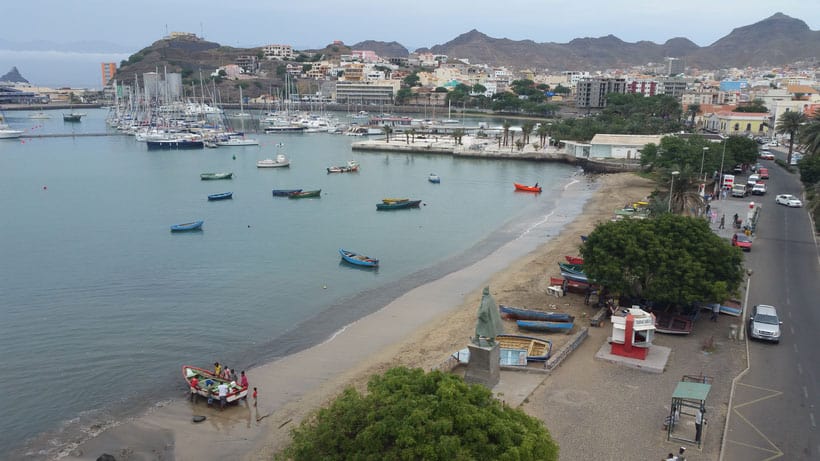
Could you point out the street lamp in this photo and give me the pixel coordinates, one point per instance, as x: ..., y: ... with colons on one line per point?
x: 671, y: 186
x: 701, y: 161
x: 722, y: 156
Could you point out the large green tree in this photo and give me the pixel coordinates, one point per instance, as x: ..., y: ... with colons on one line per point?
x: 790, y: 123
x: 673, y: 260
x: 810, y: 134
x: 409, y: 415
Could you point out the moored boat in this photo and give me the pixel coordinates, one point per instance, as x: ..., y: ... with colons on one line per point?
x: 73, y: 116
x: 306, y: 194
x: 573, y: 268
x: 279, y: 162
x: 212, y: 176
x: 434, y: 178
x: 538, y: 350
x: 222, y: 196
x: 398, y: 205
x: 284, y: 192
x: 526, y: 188
x: 357, y: 259
x: 174, y: 143
x: 548, y: 327
x: 395, y: 200
x: 351, y: 167
x: 188, y: 226
x: 208, y: 383
x: 517, y: 313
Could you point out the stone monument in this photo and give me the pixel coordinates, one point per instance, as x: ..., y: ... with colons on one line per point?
x: 484, y: 366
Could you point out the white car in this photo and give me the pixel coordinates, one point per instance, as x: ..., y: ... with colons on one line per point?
x: 788, y: 200
x: 764, y: 323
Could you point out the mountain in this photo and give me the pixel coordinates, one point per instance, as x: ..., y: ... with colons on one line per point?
x: 777, y: 40
x: 774, y: 41
x: 13, y: 76
x: 383, y: 49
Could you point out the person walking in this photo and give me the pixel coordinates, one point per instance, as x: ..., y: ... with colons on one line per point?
x: 698, y: 424
x: 722, y: 221
x: 715, y: 312
x: 194, y: 389
x: 223, y: 395
x: 254, y: 396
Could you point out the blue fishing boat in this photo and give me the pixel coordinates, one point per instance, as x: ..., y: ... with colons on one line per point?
x: 188, y: 226
x: 517, y: 313
x: 357, y: 259
x: 222, y: 196
x: 401, y: 205
x: 434, y: 178
x: 575, y: 277
x: 547, y: 327
x: 285, y: 192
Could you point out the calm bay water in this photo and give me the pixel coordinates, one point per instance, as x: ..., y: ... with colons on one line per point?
x: 100, y: 304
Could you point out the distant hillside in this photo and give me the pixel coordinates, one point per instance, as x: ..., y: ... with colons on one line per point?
x: 383, y: 49
x: 13, y: 76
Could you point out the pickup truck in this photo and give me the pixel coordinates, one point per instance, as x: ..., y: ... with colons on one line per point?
x: 739, y: 190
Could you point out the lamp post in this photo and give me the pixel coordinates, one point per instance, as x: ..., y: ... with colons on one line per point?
x: 741, y: 332
x: 702, y: 156
x: 720, y: 176
x: 671, y: 186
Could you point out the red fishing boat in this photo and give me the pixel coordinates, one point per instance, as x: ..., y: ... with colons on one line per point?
x: 526, y: 188
x: 575, y: 260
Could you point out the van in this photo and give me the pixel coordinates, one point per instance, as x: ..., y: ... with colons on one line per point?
x: 752, y: 180
x: 728, y: 180
x: 739, y: 190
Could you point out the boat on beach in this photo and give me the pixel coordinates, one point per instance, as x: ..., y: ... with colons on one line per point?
x: 284, y: 192
x: 538, y: 350
x: 434, y: 178
x: 517, y: 313
x: 306, y: 194
x: 544, y: 326
x: 526, y: 188
x: 188, y: 226
x: 214, y: 176
x: 578, y: 261
x: 208, y: 383
x: 280, y: 161
x: 401, y: 205
x: 671, y: 324
x: 222, y: 196
x: 357, y: 259
x: 352, y: 166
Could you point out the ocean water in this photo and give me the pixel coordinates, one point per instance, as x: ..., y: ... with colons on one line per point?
x: 100, y: 304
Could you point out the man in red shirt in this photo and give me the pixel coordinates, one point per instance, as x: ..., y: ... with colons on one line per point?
x: 194, y: 385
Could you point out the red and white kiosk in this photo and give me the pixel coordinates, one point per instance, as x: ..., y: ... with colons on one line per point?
x: 632, y: 332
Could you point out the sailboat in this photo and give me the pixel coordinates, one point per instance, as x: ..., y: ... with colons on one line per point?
x: 40, y: 115
x: 449, y: 120
x: 6, y: 132
x: 238, y: 139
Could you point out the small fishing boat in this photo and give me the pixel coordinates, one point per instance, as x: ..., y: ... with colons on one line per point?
x: 672, y: 324
x: 222, y: 196
x: 39, y: 116
x: 398, y: 205
x: 538, y: 350
x: 306, y: 194
x: 284, y: 192
x: 212, y: 176
x: 574, y: 268
x: 731, y: 307
x: 395, y: 200
x: 517, y: 313
x: 357, y: 259
x: 351, y: 167
x: 574, y: 260
x: 434, y: 178
x: 73, y: 116
x: 526, y: 188
x: 571, y: 285
x: 279, y: 162
x: 188, y: 226
x: 548, y: 327
x: 575, y: 277
x: 208, y: 383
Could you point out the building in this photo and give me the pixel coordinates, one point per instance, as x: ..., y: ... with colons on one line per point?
x: 642, y: 86
x: 373, y: 93
x: 674, y: 87
x: 739, y: 123
x: 591, y: 93
x: 248, y: 63
x: 622, y: 146
x: 108, y: 70
x: 279, y: 52
x: 674, y: 66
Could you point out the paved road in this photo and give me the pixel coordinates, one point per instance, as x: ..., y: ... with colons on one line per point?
x: 776, y: 405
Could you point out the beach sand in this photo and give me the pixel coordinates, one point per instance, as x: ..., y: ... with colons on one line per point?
x: 419, y: 329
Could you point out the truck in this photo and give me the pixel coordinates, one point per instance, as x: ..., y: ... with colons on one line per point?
x: 728, y: 181
x: 739, y: 190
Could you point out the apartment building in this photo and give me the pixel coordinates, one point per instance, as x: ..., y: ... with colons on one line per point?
x: 590, y: 93
x: 375, y: 93
x: 279, y: 52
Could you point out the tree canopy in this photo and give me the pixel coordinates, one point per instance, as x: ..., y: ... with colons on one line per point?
x: 408, y: 414
x: 671, y: 259
x: 687, y: 155
x: 790, y: 123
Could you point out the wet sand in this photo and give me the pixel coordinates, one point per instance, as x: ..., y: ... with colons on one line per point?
x: 419, y: 329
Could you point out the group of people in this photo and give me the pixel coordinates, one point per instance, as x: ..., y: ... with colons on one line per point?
x: 225, y: 375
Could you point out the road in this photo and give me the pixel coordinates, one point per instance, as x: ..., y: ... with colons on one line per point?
x: 776, y: 404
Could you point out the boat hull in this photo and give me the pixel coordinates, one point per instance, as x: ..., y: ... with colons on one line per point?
x: 222, y: 196
x: 306, y: 194
x: 357, y: 259
x: 517, y: 313
x: 547, y: 327
x: 210, y: 391
x: 526, y: 188
x: 398, y: 205
x: 538, y: 350
x: 190, y: 226
x: 215, y: 176
x: 284, y: 192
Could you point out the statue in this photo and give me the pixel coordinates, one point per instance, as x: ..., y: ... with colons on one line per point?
x: 488, y: 325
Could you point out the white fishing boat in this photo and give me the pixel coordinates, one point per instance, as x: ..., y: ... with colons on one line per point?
x: 280, y: 161
x: 39, y: 116
x: 6, y: 132
x: 237, y: 141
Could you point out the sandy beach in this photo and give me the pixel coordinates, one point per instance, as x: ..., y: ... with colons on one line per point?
x: 419, y: 329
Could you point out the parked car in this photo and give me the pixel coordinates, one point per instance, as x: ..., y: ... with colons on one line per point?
x: 752, y: 180
x: 788, y: 200
x: 766, y: 155
x: 796, y: 158
x: 759, y: 189
x: 742, y: 241
x: 764, y: 323
x: 739, y: 190
x: 738, y: 169
x: 763, y: 172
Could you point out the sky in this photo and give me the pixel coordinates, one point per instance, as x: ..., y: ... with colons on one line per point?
x: 130, y: 26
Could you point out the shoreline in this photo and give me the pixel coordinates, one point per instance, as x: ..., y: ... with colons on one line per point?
x: 439, y: 315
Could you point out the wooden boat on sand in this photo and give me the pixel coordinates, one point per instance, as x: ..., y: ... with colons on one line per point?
x: 517, y: 313
x: 578, y: 261
x: 547, y: 327
x: 357, y: 259
x: 538, y: 350
x: 207, y: 384
x: 672, y: 324
x: 526, y: 188
x: 188, y: 226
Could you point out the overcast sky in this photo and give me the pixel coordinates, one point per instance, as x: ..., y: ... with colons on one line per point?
x: 308, y: 24
x: 414, y: 24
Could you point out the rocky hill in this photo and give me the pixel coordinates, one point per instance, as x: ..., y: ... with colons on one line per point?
x: 13, y: 76
x: 386, y: 49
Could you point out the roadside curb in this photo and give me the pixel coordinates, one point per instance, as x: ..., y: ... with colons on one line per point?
x: 562, y: 353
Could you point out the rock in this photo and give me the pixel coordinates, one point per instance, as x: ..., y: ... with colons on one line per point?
x: 106, y: 457
x: 198, y: 418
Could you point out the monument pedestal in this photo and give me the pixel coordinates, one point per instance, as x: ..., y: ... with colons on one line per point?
x: 484, y: 366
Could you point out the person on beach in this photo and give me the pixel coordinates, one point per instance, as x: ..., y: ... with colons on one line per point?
x: 194, y: 385
x: 254, y: 396
x: 243, y: 380
x: 217, y: 369
x: 226, y: 373
x: 715, y: 312
x: 223, y: 395
x: 233, y: 375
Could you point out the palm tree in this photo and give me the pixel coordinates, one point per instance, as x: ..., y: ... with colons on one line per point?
x: 526, y: 129
x: 693, y: 110
x: 506, y: 126
x: 810, y: 135
x: 790, y: 123
x: 457, y: 135
x: 543, y: 131
x: 412, y: 133
x: 387, y: 130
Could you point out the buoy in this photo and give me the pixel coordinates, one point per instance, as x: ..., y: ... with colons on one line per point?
x: 324, y: 287
x: 45, y: 187
x: 233, y: 157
